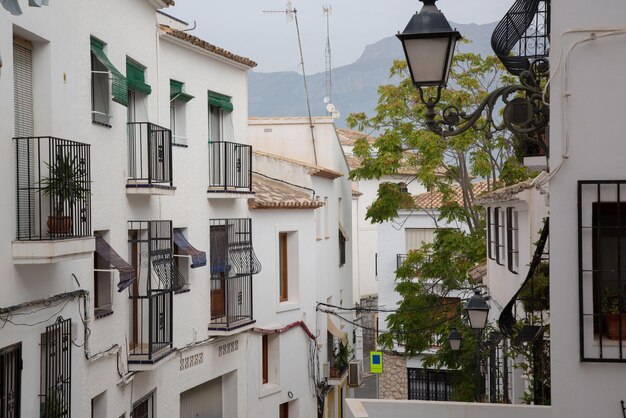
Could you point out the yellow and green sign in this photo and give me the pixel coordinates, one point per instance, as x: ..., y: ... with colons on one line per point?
x: 376, y: 361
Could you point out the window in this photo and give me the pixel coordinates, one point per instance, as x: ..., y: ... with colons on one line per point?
x: 103, y: 286
x: 270, y: 358
x: 10, y: 380
x: 99, y: 406
x: 100, y: 91
x: 498, y: 231
x: 288, y: 269
x: 283, y: 410
x: 220, y: 109
x: 144, y: 408
x: 512, y: 239
x: 284, y: 267
x: 403, y: 187
x: 416, y: 237
x: 491, y: 243
x: 56, y: 369
x: 265, y: 360
x: 138, y: 90
x: 318, y: 221
x: 430, y: 385
x: 178, y: 115
x: 181, y: 262
x: 342, y: 246
x: 326, y: 235
x: 602, y: 274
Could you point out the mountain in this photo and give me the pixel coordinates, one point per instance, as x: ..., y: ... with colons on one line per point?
x: 354, y: 85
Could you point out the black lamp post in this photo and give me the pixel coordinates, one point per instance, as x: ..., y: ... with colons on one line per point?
x: 477, y: 310
x: 429, y: 42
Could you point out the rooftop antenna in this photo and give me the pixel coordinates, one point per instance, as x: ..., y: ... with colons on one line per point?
x: 292, y: 15
x: 328, y: 99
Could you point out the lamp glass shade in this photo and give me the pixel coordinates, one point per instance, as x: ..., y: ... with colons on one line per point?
x: 455, y: 340
x: 477, y: 318
x: 429, y: 58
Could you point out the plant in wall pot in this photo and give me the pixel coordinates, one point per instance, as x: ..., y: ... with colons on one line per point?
x: 343, y: 355
x: 613, y: 312
x: 66, y: 184
x: 535, y: 295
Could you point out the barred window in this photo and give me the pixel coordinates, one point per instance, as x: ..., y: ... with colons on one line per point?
x: 491, y: 243
x: 498, y: 231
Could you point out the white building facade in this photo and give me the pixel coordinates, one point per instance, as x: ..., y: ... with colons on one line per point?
x: 126, y: 175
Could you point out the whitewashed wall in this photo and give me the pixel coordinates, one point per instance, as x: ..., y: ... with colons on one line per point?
x: 595, y: 110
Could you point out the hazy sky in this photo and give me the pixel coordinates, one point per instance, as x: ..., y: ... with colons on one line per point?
x: 241, y: 27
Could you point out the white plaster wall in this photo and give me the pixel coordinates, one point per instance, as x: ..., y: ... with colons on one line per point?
x: 596, y: 136
x: 62, y: 109
x: 366, y: 408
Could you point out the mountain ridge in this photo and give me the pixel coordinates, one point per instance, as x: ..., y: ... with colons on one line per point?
x: 355, y: 85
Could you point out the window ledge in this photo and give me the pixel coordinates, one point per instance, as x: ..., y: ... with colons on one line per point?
x: 184, y: 289
x: 268, y: 389
x: 288, y: 306
x: 101, y: 313
x: 106, y: 125
x: 174, y: 144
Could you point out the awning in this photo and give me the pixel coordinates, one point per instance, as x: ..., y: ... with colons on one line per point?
x: 334, y: 330
x: 343, y: 232
x: 137, y: 78
x: 119, y: 89
x: 13, y: 7
x: 177, y: 93
x: 198, y: 258
x: 127, y: 272
x: 219, y: 100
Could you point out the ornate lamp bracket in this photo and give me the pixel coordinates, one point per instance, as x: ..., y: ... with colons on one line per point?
x: 525, y: 112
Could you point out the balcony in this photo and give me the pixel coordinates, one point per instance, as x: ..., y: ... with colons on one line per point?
x: 53, y: 201
x: 149, y: 160
x: 151, y: 294
x: 230, y: 170
x: 233, y: 263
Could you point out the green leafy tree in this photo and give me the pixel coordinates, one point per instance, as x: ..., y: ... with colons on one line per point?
x: 447, y: 166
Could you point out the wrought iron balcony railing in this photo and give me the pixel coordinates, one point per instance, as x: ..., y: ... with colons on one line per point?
x: 523, y: 35
x: 149, y: 155
x: 151, y: 248
x: 233, y: 263
x: 53, y: 179
x: 230, y: 167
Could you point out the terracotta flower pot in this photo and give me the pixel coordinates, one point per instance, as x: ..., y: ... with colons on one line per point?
x: 612, y: 322
x: 59, y: 225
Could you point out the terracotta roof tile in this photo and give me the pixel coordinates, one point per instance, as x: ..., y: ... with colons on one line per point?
x: 313, y: 170
x: 184, y: 36
x: 434, y: 200
x: 169, y: 2
x: 478, y: 273
x: 349, y: 137
x: 272, y: 194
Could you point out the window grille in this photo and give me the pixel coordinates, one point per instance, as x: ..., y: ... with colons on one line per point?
x: 491, y: 242
x: 57, y: 396
x: 498, y: 231
x: 602, y: 269
x: 430, y: 385
x: 10, y: 381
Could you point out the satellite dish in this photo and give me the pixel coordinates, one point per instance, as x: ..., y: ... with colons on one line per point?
x: 330, y: 108
x: 336, y: 114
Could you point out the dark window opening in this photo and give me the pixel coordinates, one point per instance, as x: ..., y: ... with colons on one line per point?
x: 512, y: 239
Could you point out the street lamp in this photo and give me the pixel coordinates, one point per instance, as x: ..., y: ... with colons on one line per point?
x: 429, y: 42
x: 477, y: 310
x: 455, y: 340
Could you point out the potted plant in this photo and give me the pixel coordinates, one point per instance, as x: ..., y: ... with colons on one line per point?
x: 613, y: 311
x: 66, y: 183
x: 343, y: 355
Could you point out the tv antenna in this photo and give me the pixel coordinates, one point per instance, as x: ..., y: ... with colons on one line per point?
x: 292, y: 15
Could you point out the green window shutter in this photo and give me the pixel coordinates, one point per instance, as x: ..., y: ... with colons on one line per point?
x: 119, y: 88
x: 219, y: 100
x: 137, y: 78
x: 177, y: 93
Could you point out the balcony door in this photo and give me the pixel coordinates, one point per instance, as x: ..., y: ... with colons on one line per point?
x: 219, y: 270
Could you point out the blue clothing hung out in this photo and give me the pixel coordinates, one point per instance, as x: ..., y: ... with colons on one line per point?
x: 13, y: 7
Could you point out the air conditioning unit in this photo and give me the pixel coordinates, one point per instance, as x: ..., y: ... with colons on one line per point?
x: 355, y: 373
x: 325, y: 370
